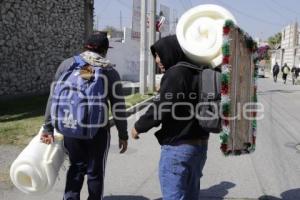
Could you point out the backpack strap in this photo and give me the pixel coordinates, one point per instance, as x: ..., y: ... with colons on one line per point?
x: 78, y: 63
x: 191, y: 66
x: 200, y: 70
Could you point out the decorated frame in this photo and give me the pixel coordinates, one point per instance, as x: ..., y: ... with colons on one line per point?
x: 239, y: 92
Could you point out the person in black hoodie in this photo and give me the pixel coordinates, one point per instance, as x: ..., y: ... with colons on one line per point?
x: 183, y: 141
x: 276, y: 70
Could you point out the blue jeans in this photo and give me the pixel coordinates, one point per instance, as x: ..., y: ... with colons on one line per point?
x: 180, y: 170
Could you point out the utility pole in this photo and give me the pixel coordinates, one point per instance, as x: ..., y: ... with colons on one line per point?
x: 143, y: 47
x: 152, y: 39
x: 97, y: 23
x: 121, y: 22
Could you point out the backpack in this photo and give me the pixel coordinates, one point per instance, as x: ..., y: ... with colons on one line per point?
x: 285, y: 70
x: 208, y: 112
x: 78, y: 105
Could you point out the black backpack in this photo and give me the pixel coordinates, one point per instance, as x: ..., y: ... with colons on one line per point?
x: 209, y: 97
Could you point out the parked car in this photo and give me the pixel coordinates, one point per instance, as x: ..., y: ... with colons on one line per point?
x: 261, y: 71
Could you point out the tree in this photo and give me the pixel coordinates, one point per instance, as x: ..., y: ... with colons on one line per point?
x: 274, y: 40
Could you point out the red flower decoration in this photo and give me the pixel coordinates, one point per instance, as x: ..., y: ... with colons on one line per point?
x: 226, y: 60
x: 226, y: 122
x: 253, y: 139
x: 223, y: 147
x: 255, y: 89
x: 226, y: 30
x: 224, y: 89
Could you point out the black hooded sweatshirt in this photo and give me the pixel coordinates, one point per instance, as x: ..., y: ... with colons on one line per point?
x: 178, y: 86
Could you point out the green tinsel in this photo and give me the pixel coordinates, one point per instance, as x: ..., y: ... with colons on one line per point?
x: 225, y: 79
x: 226, y: 154
x: 226, y: 107
x: 224, y: 138
x: 254, y: 124
x: 254, y: 98
x: 251, y: 148
x: 226, y: 49
x: 240, y: 31
x: 229, y: 23
x: 255, y: 46
x: 255, y: 60
x: 250, y: 43
x: 255, y: 73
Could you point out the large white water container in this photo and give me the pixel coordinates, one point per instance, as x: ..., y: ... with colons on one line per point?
x: 200, y: 33
x: 36, y: 168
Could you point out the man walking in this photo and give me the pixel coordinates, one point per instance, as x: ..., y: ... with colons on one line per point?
x: 183, y: 141
x: 276, y: 70
x: 88, y: 155
x: 285, y: 71
x: 295, y: 74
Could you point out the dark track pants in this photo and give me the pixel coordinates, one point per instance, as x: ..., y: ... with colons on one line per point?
x: 87, y: 157
x: 284, y: 76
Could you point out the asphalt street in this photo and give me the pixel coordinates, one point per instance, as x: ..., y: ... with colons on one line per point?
x: 271, y: 172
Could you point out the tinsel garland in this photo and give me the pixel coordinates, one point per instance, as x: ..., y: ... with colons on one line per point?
x: 254, y: 122
x: 225, y: 91
x: 225, y: 77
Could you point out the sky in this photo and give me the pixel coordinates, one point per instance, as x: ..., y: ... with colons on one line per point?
x: 260, y: 18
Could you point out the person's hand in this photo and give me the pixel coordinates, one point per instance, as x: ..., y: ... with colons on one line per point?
x: 134, y: 134
x: 123, y: 145
x: 47, y: 138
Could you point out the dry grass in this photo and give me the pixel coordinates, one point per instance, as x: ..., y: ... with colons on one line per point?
x: 21, y: 119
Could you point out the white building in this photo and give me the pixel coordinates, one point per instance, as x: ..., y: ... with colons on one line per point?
x: 289, y: 51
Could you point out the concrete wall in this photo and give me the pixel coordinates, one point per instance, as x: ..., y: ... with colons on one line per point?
x: 126, y: 56
x: 288, y: 56
x: 291, y: 56
x: 35, y: 37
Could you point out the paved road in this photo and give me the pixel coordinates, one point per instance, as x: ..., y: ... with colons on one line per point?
x: 272, y: 172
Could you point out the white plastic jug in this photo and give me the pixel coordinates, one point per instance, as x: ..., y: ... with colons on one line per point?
x: 36, y: 168
x: 200, y: 33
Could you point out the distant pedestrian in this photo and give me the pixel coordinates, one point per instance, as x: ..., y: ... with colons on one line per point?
x: 276, y: 70
x: 285, y: 71
x: 295, y: 74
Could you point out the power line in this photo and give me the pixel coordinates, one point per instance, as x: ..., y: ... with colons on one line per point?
x: 285, y: 7
x: 116, y: 18
x: 105, y: 6
x: 103, y: 9
x: 182, y: 2
x: 191, y: 3
x: 275, y: 11
x: 250, y: 16
x: 124, y: 4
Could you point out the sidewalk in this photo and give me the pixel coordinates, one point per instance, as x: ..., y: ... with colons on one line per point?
x: 134, y: 175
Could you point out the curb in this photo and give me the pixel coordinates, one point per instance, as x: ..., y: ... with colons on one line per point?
x: 132, y: 110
